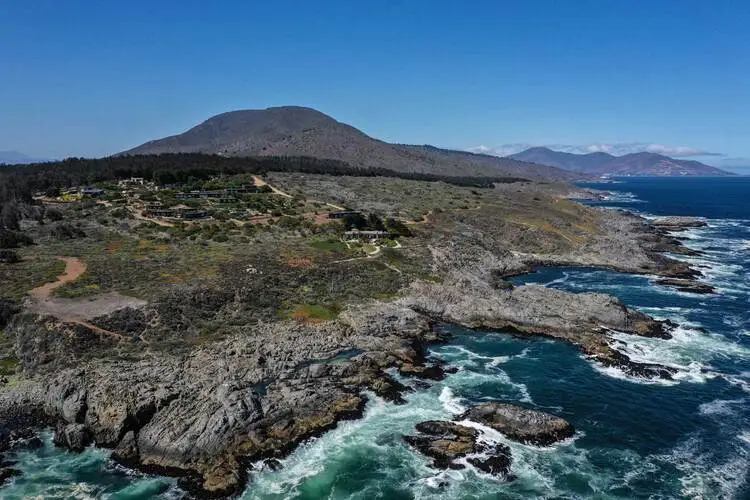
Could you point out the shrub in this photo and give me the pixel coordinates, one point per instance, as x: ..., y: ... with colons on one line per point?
x: 9, y: 257
x: 66, y: 231
x: 13, y: 239
x: 54, y: 214
x: 7, y: 309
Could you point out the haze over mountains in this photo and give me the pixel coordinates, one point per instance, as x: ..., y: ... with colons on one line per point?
x: 633, y: 164
x: 299, y: 131
x: 16, y: 158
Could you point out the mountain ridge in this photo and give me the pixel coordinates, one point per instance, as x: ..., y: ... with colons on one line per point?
x: 16, y: 158
x: 633, y: 164
x: 302, y: 131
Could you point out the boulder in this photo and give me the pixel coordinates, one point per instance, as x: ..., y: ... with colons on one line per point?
x: 127, y: 451
x: 521, y: 424
x: 74, y: 437
x: 445, y: 442
x: 497, y: 464
x: 7, y: 474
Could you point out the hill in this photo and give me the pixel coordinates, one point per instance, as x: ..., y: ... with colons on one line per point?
x: 606, y: 164
x: 299, y: 131
x: 16, y: 158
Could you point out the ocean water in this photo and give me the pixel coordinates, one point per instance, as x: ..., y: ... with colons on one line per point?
x: 685, y: 438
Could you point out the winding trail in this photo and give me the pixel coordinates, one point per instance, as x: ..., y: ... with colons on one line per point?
x: 261, y: 182
x: 77, y: 311
x: 74, y: 268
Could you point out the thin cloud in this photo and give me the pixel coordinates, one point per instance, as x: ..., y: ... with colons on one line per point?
x: 616, y: 149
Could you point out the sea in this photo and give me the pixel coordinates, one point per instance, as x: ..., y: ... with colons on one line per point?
x: 635, y: 438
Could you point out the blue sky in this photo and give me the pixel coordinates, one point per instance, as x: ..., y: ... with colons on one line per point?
x: 89, y: 78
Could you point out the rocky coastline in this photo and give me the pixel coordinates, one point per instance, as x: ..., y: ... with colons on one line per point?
x: 206, y: 415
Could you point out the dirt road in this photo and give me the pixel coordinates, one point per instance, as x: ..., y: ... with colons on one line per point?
x: 80, y: 310
x: 74, y: 268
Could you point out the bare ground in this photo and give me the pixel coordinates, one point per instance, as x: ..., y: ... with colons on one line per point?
x: 42, y: 301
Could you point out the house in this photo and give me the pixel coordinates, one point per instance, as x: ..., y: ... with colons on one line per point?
x: 91, y: 191
x: 366, y: 235
x: 190, y: 195
x: 161, y: 212
x: 191, y: 213
x: 340, y: 215
x: 242, y: 189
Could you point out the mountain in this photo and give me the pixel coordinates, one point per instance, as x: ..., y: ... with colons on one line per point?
x: 656, y: 164
x: 567, y: 161
x: 16, y: 158
x: 607, y: 164
x: 299, y: 131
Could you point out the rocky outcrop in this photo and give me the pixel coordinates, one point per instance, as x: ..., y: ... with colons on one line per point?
x: 677, y: 222
x: 205, y: 414
x: 18, y: 423
x: 74, y: 437
x: 521, y: 424
x: 584, y: 320
x: 445, y: 442
x: 687, y: 286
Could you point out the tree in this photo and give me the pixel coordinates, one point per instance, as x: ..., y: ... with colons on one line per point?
x: 10, y: 216
x: 397, y: 228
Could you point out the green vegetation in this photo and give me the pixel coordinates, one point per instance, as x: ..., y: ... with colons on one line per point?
x: 330, y: 245
x: 186, y: 168
x: 262, y: 257
x: 34, y: 270
x: 314, y: 312
x: 8, y: 366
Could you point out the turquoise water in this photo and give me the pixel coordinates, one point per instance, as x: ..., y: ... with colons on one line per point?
x: 686, y: 438
x: 50, y: 473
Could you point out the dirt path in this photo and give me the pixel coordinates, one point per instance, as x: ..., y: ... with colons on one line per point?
x: 74, y: 268
x: 261, y: 182
x: 77, y: 311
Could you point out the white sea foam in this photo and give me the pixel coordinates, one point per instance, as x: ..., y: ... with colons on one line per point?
x: 721, y: 407
x: 451, y: 402
x: 705, y: 477
x: 689, y: 351
x: 473, y: 358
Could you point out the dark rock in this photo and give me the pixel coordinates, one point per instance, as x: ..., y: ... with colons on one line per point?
x: 498, y: 464
x: 74, y: 437
x: 272, y: 464
x: 521, y: 424
x: 678, y: 222
x: 7, y: 474
x: 433, y: 372
x: 688, y: 286
x: 445, y: 442
x: 127, y: 451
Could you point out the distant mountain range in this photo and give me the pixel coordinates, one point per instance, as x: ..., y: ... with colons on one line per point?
x: 299, y: 131
x: 634, y: 164
x: 16, y: 158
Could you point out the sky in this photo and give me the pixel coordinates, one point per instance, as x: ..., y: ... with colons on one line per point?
x: 91, y: 78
